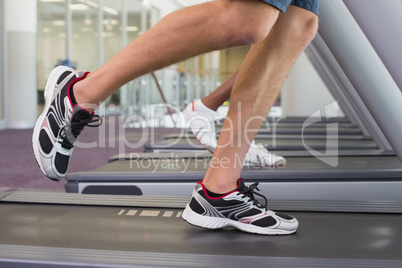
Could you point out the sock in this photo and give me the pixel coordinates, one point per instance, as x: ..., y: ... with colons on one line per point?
x: 214, y: 195
x: 72, y: 97
x: 204, y: 110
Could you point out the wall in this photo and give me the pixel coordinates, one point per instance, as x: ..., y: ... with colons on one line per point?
x: 21, y: 63
x: 305, y: 93
x: 231, y: 60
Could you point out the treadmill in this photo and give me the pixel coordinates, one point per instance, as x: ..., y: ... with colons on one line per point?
x: 297, y: 121
x: 271, y: 142
x: 62, y: 230
x: 309, y: 130
x: 326, y: 177
x: 322, y: 177
x: 65, y: 230
x: 279, y: 138
x: 188, y: 134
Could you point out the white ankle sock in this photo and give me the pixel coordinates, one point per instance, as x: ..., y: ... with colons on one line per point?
x: 204, y: 110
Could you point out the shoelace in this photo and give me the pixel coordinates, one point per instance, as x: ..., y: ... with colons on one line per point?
x: 250, y: 192
x: 73, y: 129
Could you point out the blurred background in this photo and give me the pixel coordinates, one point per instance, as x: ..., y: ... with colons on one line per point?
x: 86, y: 33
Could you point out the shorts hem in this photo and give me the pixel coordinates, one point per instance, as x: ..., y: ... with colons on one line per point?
x: 313, y: 8
x: 277, y: 4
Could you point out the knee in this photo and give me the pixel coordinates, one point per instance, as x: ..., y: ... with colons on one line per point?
x: 309, y: 27
x: 303, y: 30
x: 242, y: 26
x: 245, y: 35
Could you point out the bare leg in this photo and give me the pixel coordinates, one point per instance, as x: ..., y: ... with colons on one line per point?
x: 214, y: 100
x: 183, y: 34
x: 256, y: 88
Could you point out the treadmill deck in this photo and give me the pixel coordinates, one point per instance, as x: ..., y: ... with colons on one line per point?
x: 323, y: 237
x: 304, y: 178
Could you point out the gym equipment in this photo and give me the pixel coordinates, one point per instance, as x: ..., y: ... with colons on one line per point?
x: 326, y: 177
x: 64, y: 230
x: 190, y: 143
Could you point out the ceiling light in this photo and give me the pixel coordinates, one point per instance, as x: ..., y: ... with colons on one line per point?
x: 111, y: 11
x: 52, y: 1
x: 110, y: 22
x: 191, y: 2
x: 95, y: 5
x: 131, y: 28
x: 78, y: 7
x: 58, y: 23
x: 146, y: 3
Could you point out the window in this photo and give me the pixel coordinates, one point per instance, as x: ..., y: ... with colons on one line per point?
x: 84, y: 50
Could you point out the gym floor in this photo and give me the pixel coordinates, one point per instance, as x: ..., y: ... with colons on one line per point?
x: 16, y: 145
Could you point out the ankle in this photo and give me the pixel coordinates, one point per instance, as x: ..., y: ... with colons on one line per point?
x: 205, y: 110
x: 210, y: 104
x: 82, y: 98
x: 219, y: 187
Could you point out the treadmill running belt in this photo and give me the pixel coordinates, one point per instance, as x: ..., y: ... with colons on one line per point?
x: 331, y: 236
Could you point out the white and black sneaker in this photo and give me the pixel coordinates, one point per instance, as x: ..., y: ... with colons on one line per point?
x: 200, y: 119
x: 61, y: 122
x: 239, y: 209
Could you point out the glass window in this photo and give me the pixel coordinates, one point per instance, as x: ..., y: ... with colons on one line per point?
x: 84, y: 41
x: 88, y: 52
x: 51, y: 48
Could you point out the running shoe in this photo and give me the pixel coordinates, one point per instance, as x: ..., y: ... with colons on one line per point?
x: 239, y: 209
x: 259, y: 156
x: 200, y: 119
x: 61, y: 122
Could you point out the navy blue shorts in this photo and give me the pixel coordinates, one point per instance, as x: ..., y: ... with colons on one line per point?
x: 282, y: 5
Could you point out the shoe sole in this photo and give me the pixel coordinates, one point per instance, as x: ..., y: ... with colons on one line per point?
x: 218, y: 223
x: 48, y: 93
